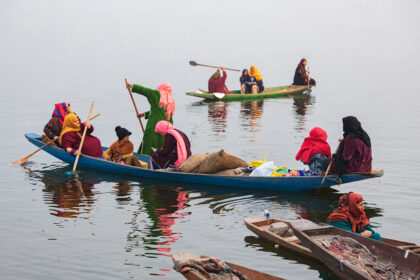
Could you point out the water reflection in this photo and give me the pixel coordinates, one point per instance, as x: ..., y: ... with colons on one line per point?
x: 251, y: 112
x: 217, y: 115
x: 301, y: 104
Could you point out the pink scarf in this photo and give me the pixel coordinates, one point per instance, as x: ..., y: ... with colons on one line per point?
x: 166, y: 101
x: 164, y: 127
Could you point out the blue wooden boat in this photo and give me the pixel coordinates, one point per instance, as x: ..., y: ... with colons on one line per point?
x: 292, y: 184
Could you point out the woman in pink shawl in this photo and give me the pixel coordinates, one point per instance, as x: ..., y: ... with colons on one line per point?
x: 175, y: 150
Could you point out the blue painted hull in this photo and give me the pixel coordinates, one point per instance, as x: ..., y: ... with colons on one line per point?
x: 292, y: 184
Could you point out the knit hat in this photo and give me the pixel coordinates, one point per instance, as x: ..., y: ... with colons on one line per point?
x: 122, y: 132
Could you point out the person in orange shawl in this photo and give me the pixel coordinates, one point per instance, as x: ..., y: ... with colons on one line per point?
x: 253, y: 82
x: 162, y: 108
x: 122, y: 149
x: 315, y: 152
x: 71, y: 135
x: 350, y: 215
x: 175, y: 150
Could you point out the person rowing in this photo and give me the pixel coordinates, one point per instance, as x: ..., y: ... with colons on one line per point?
x: 350, y: 215
x: 217, y: 83
x: 162, y: 107
x: 175, y: 150
x: 302, y: 75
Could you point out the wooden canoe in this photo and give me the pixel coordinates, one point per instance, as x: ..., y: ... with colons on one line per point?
x: 236, y: 95
x: 195, y: 274
x: 261, y: 227
x: 291, y: 184
x: 404, y: 260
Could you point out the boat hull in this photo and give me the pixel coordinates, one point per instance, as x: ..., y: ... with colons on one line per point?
x: 292, y: 184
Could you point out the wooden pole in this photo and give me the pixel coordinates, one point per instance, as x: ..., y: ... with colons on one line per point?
x: 135, y: 107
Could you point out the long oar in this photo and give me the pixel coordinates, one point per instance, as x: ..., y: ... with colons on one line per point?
x: 328, y: 168
x: 134, y: 103
x: 23, y: 160
x: 81, y: 141
x: 193, y: 63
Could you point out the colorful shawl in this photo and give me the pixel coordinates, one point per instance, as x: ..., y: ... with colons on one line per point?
x: 60, y: 111
x: 316, y: 143
x: 166, y: 101
x: 69, y: 125
x: 164, y: 127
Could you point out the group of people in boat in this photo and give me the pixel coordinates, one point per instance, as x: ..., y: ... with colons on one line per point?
x: 167, y: 146
x: 252, y: 82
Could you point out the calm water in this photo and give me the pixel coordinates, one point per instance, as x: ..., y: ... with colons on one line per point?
x: 364, y: 56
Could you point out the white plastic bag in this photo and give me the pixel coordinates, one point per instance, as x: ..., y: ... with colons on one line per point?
x: 264, y: 169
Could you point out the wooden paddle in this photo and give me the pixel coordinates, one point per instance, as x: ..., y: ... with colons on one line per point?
x: 134, y: 103
x: 193, y: 63
x: 83, y: 139
x: 328, y: 168
x: 23, y: 160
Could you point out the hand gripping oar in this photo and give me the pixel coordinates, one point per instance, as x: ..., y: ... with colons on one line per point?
x: 328, y: 168
x: 81, y: 141
x: 134, y: 103
x: 23, y: 160
x: 308, y: 91
x: 193, y: 63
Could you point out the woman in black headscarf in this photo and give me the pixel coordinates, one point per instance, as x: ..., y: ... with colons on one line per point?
x: 301, y: 75
x: 354, y: 153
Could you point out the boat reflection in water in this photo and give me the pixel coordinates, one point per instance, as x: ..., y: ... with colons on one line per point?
x: 251, y: 112
x: 302, y: 103
x: 217, y: 115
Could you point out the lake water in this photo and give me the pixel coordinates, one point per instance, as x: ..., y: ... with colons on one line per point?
x: 364, y: 56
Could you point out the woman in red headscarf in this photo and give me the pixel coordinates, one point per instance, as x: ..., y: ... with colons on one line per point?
x: 175, y: 150
x: 54, y: 126
x: 301, y: 75
x: 315, y: 152
x: 350, y: 215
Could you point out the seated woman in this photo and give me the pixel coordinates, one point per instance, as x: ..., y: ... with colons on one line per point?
x: 301, y: 75
x: 243, y: 77
x: 350, y: 215
x: 122, y: 149
x: 253, y: 82
x: 217, y: 83
x: 175, y: 150
x: 71, y: 136
x: 354, y: 152
x: 52, y: 129
x: 315, y: 152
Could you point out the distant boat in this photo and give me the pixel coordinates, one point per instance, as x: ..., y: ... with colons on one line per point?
x: 236, y: 95
x: 385, y: 256
x: 291, y: 184
x: 261, y: 227
x: 195, y: 271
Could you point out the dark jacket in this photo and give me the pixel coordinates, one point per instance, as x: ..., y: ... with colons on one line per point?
x: 168, y: 155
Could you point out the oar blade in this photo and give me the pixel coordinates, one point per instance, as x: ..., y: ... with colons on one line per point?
x: 307, y: 92
x: 69, y: 173
x: 193, y: 63
x: 19, y: 161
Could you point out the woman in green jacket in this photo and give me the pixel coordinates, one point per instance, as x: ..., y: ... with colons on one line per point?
x: 162, y: 108
x: 350, y: 215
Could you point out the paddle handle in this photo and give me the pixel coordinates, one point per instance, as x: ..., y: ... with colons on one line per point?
x: 218, y: 67
x: 83, y: 139
x: 308, y: 77
x: 135, y: 107
x: 329, y: 167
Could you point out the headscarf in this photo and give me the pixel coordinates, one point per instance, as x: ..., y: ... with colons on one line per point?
x: 257, y: 75
x: 164, y: 127
x: 69, y: 125
x: 316, y: 143
x: 60, y: 111
x: 242, y: 78
x: 166, y: 101
x: 353, y: 129
x: 301, y: 68
x: 348, y: 211
x: 216, y: 75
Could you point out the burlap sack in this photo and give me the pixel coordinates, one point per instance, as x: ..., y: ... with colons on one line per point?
x: 220, y: 161
x: 192, y: 164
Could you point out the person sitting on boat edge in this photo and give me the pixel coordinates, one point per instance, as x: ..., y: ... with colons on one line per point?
x: 354, y: 153
x: 301, y: 75
x: 350, y: 215
x: 122, y: 149
x: 162, y: 107
x: 253, y: 83
x: 71, y: 137
x: 176, y: 148
x: 53, y: 128
x: 243, y: 76
x: 218, y: 83
x: 315, y: 152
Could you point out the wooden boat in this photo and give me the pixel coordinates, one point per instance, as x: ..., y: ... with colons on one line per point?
x: 236, y: 95
x: 292, y: 184
x: 261, y: 227
x: 405, y: 261
x: 196, y: 274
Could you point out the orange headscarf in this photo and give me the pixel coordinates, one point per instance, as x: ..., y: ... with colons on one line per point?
x: 257, y: 75
x: 69, y: 125
x: 166, y: 101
